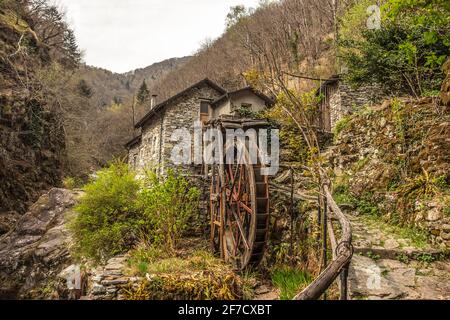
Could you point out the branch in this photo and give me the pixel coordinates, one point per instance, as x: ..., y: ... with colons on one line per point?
x: 304, y: 77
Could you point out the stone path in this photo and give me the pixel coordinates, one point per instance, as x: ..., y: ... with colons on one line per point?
x: 266, y: 292
x: 388, y: 266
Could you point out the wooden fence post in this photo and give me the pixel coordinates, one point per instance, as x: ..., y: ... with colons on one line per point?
x: 344, y: 283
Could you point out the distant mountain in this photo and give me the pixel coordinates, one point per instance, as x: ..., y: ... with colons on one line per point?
x: 109, y: 87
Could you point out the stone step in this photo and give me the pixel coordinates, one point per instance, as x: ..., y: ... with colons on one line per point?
x: 412, y: 253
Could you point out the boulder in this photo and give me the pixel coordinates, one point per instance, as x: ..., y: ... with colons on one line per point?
x: 35, y: 251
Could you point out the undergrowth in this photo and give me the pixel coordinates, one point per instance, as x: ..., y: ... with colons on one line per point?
x: 290, y: 281
x: 118, y: 210
x: 195, y: 274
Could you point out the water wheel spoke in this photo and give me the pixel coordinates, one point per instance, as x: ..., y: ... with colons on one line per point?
x: 246, y: 207
x: 233, y: 180
x: 241, y: 228
x: 235, y: 218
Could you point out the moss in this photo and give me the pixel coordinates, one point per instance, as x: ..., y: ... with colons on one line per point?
x: 418, y: 238
x: 361, y: 163
x: 341, y: 125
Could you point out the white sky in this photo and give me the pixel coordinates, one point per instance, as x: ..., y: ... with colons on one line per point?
x: 122, y: 35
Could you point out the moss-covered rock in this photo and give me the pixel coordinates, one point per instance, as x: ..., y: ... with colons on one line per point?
x: 394, y: 158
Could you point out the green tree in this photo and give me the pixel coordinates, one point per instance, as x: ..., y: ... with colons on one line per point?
x: 236, y: 14
x: 406, y: 54
x: 84, y: 89
x: 143, y: 93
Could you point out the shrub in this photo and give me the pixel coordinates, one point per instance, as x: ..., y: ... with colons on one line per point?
x: 117, y: 210
x: 168, y: 204
x: 341, y: 125
x: 71, y: 183
x: 108, y: 219
x: 406, y: 54
x: 342, y: 195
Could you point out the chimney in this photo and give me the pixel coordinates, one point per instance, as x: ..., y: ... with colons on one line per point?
x: 153, y: 101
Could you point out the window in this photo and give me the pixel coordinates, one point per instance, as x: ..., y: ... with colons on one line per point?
x: 204, y: 111
x: 204, y: 107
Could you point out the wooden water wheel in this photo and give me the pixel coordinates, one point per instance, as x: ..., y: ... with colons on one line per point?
x: 239, y: 209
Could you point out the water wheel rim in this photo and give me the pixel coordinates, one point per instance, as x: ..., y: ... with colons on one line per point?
x: 214, y: 210
x: 240, y: 197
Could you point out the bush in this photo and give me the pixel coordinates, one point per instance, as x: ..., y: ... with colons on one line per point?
x: 108, y: 220
x: 406, y: 54
x: 71, y: 183
x: 168, y: 203
x: 341, y: 125
x: 118, y: 210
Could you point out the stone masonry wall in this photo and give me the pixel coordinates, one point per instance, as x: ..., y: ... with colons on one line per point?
x: 374, y: 160
x: 156, y: 146
x: 151, y: 143
x: 345, y: 99
x: 182, y: 114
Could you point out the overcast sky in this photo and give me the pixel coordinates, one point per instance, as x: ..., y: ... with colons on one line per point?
x: 122, y: 35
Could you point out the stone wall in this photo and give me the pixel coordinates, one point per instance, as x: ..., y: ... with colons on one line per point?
x: 387, y: 154
x: 345, y: 99
x: 156, y: 146
x: 151, y: 143
x: 183, y: 114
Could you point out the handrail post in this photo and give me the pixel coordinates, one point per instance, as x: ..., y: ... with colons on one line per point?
x: 344, y: 282
x: 324, y: 238
x: 319, y: 223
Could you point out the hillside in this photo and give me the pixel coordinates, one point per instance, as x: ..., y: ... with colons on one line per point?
x: 276, y: 30
x: 108, y: 86
x: 31, y: 135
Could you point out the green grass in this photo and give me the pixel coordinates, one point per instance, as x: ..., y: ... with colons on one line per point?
x: 361, y: 163
x: 289, y: 281
x: 373, y: 256
x: 418, y: 238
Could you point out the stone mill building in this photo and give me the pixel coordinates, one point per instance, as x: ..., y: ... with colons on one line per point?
x: 339, y: 99
x: 203, y: 101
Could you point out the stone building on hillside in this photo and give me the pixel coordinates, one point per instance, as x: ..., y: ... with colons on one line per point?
x: 205, y: 100
x: 339, y: 99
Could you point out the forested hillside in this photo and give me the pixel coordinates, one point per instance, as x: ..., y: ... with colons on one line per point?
x: 33, y: 37
x: 53, y: 107
x: 109, y: 87
x: 296, y: 34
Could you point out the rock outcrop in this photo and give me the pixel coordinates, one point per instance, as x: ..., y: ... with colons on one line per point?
x: 392, y: 160
x: 386, y: 265
x: 36, y: 250
x: 31, y: 135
